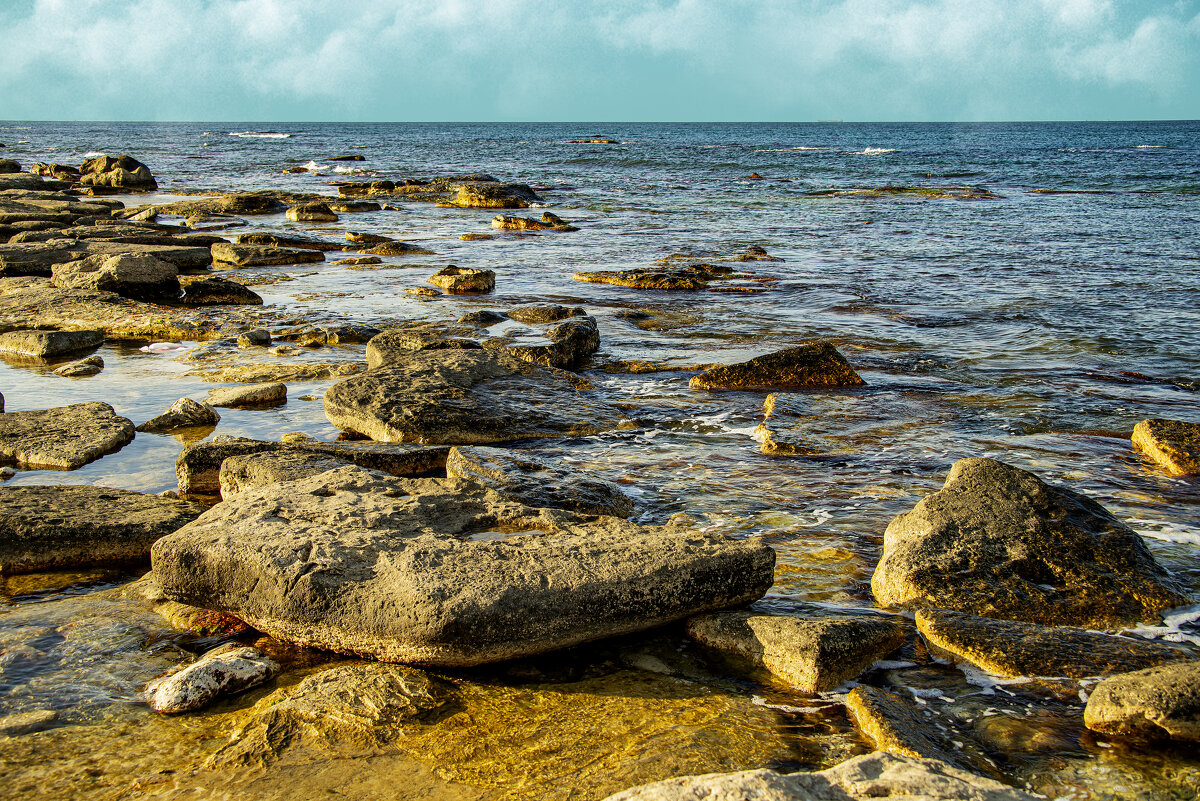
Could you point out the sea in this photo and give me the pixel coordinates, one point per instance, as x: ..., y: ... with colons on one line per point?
x: 1022, y: 291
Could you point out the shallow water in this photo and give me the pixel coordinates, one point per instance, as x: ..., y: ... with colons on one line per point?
x: 1036, y: 328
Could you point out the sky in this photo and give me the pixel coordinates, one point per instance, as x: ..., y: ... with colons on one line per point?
x: 599, y: 60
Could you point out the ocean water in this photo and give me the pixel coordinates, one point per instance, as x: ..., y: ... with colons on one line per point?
x: 1036, y: 322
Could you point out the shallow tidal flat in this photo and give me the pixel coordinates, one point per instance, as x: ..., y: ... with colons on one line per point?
x: 1036, y: 328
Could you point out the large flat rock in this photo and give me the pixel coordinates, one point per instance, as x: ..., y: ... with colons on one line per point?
x: 816, y: 364
x: 49, y: 344
x: 464, y: 397
x: 227, y: 254
x: 443, y: 571
x: 65, y: 437
x: 997, y: 541
x: 57, y: 527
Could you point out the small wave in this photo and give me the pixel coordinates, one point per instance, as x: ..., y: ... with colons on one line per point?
x: 260, y: 134
x: 1148, y: 147
x: 1165, y: 531
x: 346, y: 170
x: 1179, y: 625
x: 874, y: 151
x: 312, y: 166
x: 92, y: 154
x: 800, y: 149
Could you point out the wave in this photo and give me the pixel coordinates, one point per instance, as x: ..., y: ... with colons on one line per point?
x: 799, y: 149
x: 874, y: 151
x: 348, y: 170
x: 261, y: 134
x: 92, y: 154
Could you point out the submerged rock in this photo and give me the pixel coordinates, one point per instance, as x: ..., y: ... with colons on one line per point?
x: 89, y: 366
x: 817, y: 364
x: 184, y: 413
x: 221, y: 672
x: 141, y: 277
x: 442, y: 571
x: 1153, y: 703
x: 182, y: 617
x: 227, y: 254
x: 65, y: 437
x: 391, y: 248
x: 49, y: 344
x: 464, y: 280
x: 1173, y: 444
x: 218, y: 291
x: 250, y: 396
x: 996, y: 541
x: 27, y: 722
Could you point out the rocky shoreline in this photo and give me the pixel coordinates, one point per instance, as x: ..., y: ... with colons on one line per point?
x: 421, y: 542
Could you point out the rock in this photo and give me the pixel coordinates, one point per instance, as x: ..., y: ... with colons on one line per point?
x: 1173, y: 444
x: 119, y: 173
x: 351, y: 157
x: 184, y: 413
x: 814, y: 652
x: 67, y: 526
x: 996, y: 541
x: 182, y: 617
x: 419, y: 570
x: 1, y: 403
x: 398, y: 249
x: 254, y: 338
x: 537, y: 482
x: 228, y: 254
x: 311, y: 212
x: 220, y: 672
x: 249, y: 396
x: 464, y: 280
x: 697, y: 276
x: 570, y: 344
x: 9, y: 166
x: 358, y: 704
x: 27, y: 722
x: 62, y: 172
x: 49, y: 344
x: 494, y: 195
x: 290, y: 241
x: 540, y: 313
x: 464, y: 397
x: 367, y: 239
x: 139, y: 277
x: 219, y: 292
x: 423, y: 292
x: 867, y: 777
x: 475, y: 237
x: 1011, y: 648
x: 65, y: 437
x: 237, y: 204
x: 816, y: 364
x: 396, y: 344
x: 482, y: 319
x: 1153, y: 703
x: 359, y: 261
x: 89, y: 366
x: 239, y: 473
x: 507, y: 223
x: 198, y: 467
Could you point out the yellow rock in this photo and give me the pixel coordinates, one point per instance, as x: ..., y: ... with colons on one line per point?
x: 1173, y: 444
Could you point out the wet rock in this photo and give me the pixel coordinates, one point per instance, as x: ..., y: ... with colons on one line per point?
x: 89, y: 366
x: 507, y: 223
x: 254, y: 338
x: 9, y: 166
x: 817, y: 364
x: 464, y: 397
x: 182, y: 617
x: 198, y: 467
x: 184, y: 413
x: 228, y: 254
x: 49, y: 344
x: 138, y: 277
x: 396, y: 344
x: 117, y: 173
x: 219, y: 292
x: 776, y: 434
x: 65, y: 437
x: 221, y: 672
x: 1153, y: 703
x: 1, y: 403
x: 1011, y: 648
x: 26, y: 182
x: 367, y: 239
x: 464, y: 280
x: 27, y: 722
x: 537, y: 482
x: 482, y: 319
x: 359, y: 261
x: 311, y: 212
x: 494, y: 195
x: 290, y: 241
x: 475, y: 237
x: 423, y: 292
x: 443, y: 571
x: 398, y: 249
x: 571, y: 343
x: 250, y: 396
x: 65, y: 526
x: 996, y: 541
x: 813, y: 652
x: 238, y: 204
x: 351, y: 157
x: 61, y: 172
x: 540, y: 313
x: 1173, y: 444
x: 696, y: 276
x: 354, y: 206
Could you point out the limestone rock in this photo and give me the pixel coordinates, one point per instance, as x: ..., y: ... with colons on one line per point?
x: 141, y: 277
x: 88, y: 366
x: 65, y: 437
x: 996, y: 541
x: 290, y: 241
x: 49, y: 344
x: 1153, y: 703
x: 254, y: 338
x: 367, y: 239
x: 221, y: 672
x: 442, y: 571
x: 814, y: 652
x: 571, y: 343
x: 27, y: 722
x: 542, y: 313
x: 219, y: 292
x: 1173, y: 444
x: 493, y: 195
x: 311, y: 212
x: 119, y: 173
x: 696, y: 276
x: 464, y: 397
x: 509, y: 223
x: 236, y: 204
x: 537, y: 482
x: 395, y: 344
x: 483, y: 318
x: 359, y: 261
x: 227, y: 254
x: 249, y: 396
x: 239, y: 473
x: 1011, y: 648
x: 62, y: 172
x: 184, y: 413
x: 391, y: 248
x: 817, y: 364
x: 464, y: 280
x: 182, y: 617
x: 67, y: 526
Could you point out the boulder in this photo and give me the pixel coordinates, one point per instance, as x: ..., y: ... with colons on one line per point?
x: 1011, y: 648
x: 184, y: 413
x: 88, y: 366
x: 118, y: 173
x: 221, y: 672
x: 10, y: 166
x: 817, y: 364
x: 139, y: 277
x: 539, y: 313
x: 290, y: 241
x: 464, y: 280
x: 997, y: 541
x: 49, y: 344
x: 254, y: 338
x: 396, y: 344
x: 65, y: 437
x: 464, y: 397
x: 62, y: 172
x: 537, y: 482
x: 442, y: 571
x: 1153, y: 703
x: 1172, y: 444
x: 493, y: 195
x: 227, y: 254
x: 249, y: 396
x: 508, y: 223
x: 311, y: 212
x: 813, y: 651
x: 218, y: 292
x: 65, y: 526
x: 367, y: 239
x: 571, y: 343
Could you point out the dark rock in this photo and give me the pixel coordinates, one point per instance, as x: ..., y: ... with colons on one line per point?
x: 255, y: 338
x: 398, y: 249
x: 351, y: 157
x: 218, y: 292
x: 49, y: 344
x: 354, y: 206
x: 816, y: 364
x: 184, y: 413
x: 541, y: 313
x: 290, y: 241
x: 1153, y: 703
x: 231, y: 255
x: 697, y: 276
x: 483, y: 318
x: 367, y: 239
x: 571, y: 342
x: 9, y: 166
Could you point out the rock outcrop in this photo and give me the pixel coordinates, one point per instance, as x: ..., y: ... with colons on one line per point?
x: 464, y: 280
x: 817, y: 364
x: 140, y: 277
x: 118, y: 173
x: 311, y: 212
x: 1154, y: 703
x: 1173, y: 444
x: 227, y: 254
x: 65, y: 437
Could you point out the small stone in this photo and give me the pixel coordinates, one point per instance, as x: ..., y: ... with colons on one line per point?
x: 297, y: 436
x: 1153, y: 703
x: 49, y: 344
x: 286, y: 350
x: 367, y: 239
x: 544, y: 313
x: 217, y: 291
x: 1173, y: 444
x: 6, y: 473
x: 483, y: 319
x: 816, y: 364
x: 464, y: 280
x: 311, y: 212
x: 184, y: 413
x: 509, y: 223
x: 27, y: 722
x: 475, y: 237
x: 223, y: 671
x: 88, y: 366
x: 252, y: 395
x: 255, y: 338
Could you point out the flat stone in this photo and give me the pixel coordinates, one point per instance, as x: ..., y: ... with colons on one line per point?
x: 367, y: 239
x: 696, y: 276
x: 254, y: 338
x: 237, y: 203
x: 537, y: 482
x: 1153, y: 703
x: 482, y: 318
x: 543, y: 313
x: 229, y: 254
x: 571, y: 343
x: 464, y: 280
x: 510, y: 223
x: 67, y: 526
x: 814, y: 652
x: 88, y: 366
x: 140, y: 277
x: 359, y: 261
x: 290, y: 241
x: 442, y: 571
x: 183, y: 413
x: 398, y: 249
x: 218, y: 291
x: 817, y: 364
x: 182, y: 617
x: 1173, y: 444
x: 464, y: 397
x: 239, y: 473
x: 997, y: 541
x: 221, y: 672
x: 27, y: 722
x: 49, y: 344
x: 1011, y: 648
x: 396, y: 344
x: 65, y: 437
x: 249, y: 396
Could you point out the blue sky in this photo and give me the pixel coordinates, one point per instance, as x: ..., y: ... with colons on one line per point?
x: 610, y: 60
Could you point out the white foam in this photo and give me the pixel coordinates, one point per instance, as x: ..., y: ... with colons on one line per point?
x: 1166, y: 531
x: 1148, y: 147
x: 92, y: 154
x: 261, y: 134
x: 312, y: 166
x: 874, y: 151
x: 758, y: 700
x: 1171, y: 629
x: 350, y: 170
